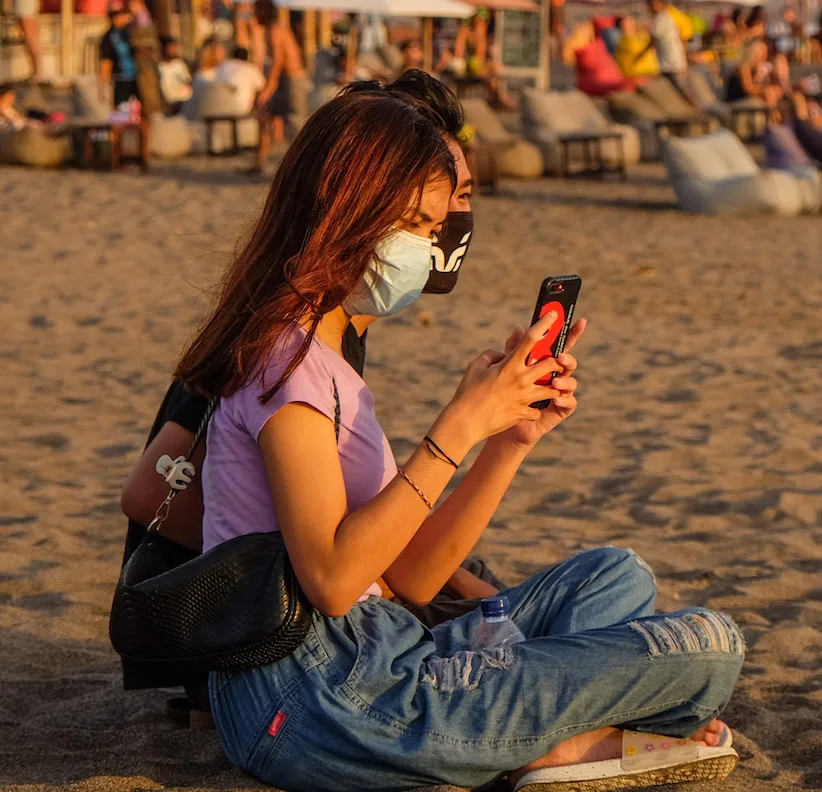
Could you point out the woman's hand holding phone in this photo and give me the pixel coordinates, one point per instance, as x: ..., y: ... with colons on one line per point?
x: 498, y: 388
x: 562, y: 392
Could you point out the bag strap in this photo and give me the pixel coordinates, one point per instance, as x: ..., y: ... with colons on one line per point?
x: 161, y: 515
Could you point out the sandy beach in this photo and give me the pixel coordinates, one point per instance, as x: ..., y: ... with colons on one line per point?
x: 698, y: 441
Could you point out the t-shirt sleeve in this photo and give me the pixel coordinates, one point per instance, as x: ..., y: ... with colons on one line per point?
x: 107, y: 48
x: 311, y: 384
x: 187, y: 409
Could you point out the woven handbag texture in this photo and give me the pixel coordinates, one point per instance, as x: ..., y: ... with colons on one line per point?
x: 237, y: 606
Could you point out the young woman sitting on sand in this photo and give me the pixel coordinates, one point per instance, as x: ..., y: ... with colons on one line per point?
x: 181, y: 412
x: 372, y: 699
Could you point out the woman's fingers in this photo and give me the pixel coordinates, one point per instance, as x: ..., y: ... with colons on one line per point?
x: 568, y: 362
x: 543, y: 368
x: 565, y: 384
x: 575, y: 333
x: 533, y: 335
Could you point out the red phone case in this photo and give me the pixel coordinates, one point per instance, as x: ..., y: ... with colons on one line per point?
x: 557, y: 294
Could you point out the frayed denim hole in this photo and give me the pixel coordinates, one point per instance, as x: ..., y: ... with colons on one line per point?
x: 464, y: 670
x: 690, y: 633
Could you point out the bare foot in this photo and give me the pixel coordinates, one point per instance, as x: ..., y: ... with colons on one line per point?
x: 710, y: 735
x: 600, y: 746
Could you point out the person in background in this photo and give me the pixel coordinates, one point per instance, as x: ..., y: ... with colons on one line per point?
x: 146, y: 46
x: 248, y: 34
x: 733, y: 35
x: 118, y: 66
x: 612, y: 35
x: 245, y: 78
x: 26, y: 13
x: 175, y: 78
x: 666, y: 40
x: 786, y: 33
x: 756, y: 25
x: 754, y: 76
x: 212, y: 54
x: 11, y: 119
x: 412, y: 54
x: 285, y: 96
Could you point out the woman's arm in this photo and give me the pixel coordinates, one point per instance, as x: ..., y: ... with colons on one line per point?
x: 446, y: 538
x: 145, y: 489
x: 749, y: 85
x: 337, y: 555
x: 278, y: 61
x: 449, y: 534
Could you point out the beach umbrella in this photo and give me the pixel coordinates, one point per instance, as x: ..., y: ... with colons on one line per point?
x: 388, y: 8
x: 505, y: 5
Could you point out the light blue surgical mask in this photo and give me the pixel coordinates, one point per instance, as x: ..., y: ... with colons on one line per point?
x: 395, y: 277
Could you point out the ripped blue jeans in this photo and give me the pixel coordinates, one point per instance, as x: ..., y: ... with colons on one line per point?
x: 376, y: 701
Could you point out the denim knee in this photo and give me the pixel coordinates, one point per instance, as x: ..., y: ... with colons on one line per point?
x: 625, y: 566
x: 710, y: 643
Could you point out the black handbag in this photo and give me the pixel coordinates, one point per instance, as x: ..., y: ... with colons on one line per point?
x: 235, y: 607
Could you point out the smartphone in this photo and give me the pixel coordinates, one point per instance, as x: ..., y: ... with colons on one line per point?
x: 558, y: 293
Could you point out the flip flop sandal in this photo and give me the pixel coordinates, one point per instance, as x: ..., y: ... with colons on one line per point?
x: 647, y: 760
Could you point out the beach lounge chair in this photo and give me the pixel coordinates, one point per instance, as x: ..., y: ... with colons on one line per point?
x: 551, y: 119
x: 502, y: 150
x: 218, y: 123
x: 681, y: 117
x: 746, y: 118
x: 715, y: 174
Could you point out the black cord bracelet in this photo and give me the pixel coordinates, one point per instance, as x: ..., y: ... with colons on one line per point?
x: 439, y: 453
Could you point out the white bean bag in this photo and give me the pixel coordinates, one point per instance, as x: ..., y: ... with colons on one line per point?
x: 169, y: 138
x: 547, y: 116
x: 715, y: 174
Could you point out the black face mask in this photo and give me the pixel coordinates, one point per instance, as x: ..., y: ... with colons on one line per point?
x: 449, y: 251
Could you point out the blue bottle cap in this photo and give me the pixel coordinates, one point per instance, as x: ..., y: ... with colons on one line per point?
x: 495, y: 607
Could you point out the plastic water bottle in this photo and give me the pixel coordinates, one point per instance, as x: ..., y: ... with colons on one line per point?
x: 496, y: 629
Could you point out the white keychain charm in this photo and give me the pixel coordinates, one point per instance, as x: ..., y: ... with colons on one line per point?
x: 177, y: 473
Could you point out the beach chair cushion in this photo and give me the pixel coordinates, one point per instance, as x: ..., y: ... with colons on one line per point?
x: 662, y: 93
x: 627, y: 56
x: 597, y: 71
x: 34, y: 148
x: 486, y: 123
x: 212, y: 99
x: 700, y: 89
x: 523, y: 160
x: 715, y: 174
x: 561, y: 112
x: 633, y: 108
x: 547, y: 116
x: 169, y: 138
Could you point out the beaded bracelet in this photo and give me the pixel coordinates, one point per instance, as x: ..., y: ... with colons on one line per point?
x: 416, y: 488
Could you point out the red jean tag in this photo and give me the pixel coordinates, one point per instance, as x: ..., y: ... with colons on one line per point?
x: 279, y: 720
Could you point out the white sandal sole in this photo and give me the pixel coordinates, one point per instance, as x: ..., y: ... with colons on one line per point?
x: 713, y: 769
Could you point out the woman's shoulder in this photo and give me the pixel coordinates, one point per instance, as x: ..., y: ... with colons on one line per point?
x: 312, y: 382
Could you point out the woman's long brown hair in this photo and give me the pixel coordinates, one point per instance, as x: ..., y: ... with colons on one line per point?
x: 352, y: 173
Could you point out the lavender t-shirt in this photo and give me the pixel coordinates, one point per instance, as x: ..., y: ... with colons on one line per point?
x: 236, y: 491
